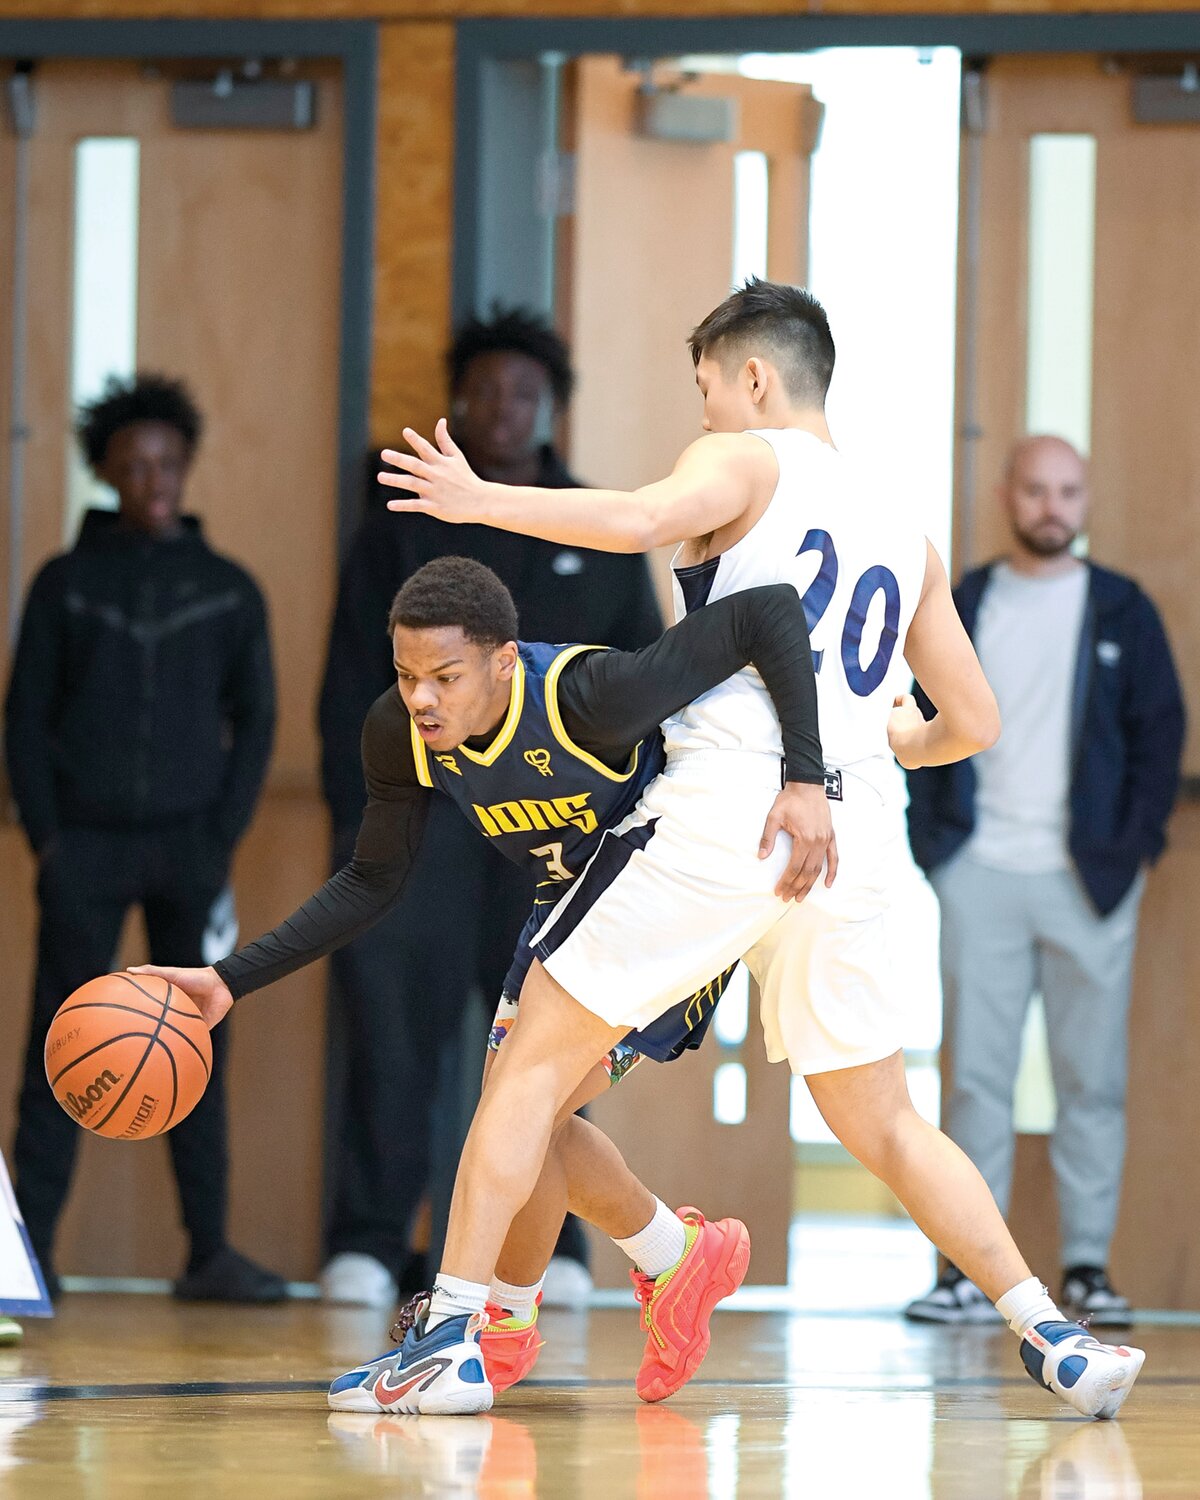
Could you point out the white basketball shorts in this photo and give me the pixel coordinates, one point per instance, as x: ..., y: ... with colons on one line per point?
x: 826, y: 973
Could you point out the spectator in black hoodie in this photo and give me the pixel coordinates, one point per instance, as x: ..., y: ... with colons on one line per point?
x: 404, y: 985
x: 138, y: 728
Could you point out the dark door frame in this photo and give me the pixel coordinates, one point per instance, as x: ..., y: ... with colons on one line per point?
x: 354, y: 45
x: 978, y: 36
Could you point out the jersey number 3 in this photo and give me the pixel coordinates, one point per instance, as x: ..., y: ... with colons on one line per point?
x: 862, y: 680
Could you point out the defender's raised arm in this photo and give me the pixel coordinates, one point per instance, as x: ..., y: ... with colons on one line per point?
x: 716, y: 479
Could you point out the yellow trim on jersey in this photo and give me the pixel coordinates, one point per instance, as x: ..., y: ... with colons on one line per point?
x: 558, y: 729
x: 500, y: 744
x: 420, y: 758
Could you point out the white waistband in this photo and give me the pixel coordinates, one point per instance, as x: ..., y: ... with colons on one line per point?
x: 755, y: 763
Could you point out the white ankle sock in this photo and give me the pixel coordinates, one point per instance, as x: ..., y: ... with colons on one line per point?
x: 660, y: 1245
x: 519, y: 1301
x: 1026, y: 1304
x: 452, y: 1297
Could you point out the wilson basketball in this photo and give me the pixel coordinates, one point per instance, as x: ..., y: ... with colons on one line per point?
x: 128, y: 1056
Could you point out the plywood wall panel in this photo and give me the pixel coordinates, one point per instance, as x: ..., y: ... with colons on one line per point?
x: 414, y: 227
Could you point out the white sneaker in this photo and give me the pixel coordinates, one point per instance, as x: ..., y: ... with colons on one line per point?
x: 354, y: 1280
x: 1092, y: 1377
x: 567, y: 1284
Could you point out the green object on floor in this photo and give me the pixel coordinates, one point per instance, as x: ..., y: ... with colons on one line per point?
x: 10, y: 1331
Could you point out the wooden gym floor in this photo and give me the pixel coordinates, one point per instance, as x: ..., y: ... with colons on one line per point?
x: 121, y: 1398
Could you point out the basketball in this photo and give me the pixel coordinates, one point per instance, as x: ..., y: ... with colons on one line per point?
x: 128, y: 1056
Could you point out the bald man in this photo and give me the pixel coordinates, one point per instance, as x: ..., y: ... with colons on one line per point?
x: 1038, y: 849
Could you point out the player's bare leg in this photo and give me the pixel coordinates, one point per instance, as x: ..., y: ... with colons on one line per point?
x: 585, y: 1174
x: 537, y: 1071
x: 869, y: 1110
x: 607, y: 1195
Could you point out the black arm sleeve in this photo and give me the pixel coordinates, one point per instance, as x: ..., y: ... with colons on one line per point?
x: 362, y: 891
x: 611, y: 699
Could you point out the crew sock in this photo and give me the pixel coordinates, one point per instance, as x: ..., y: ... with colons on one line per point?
x: 660, y: 1245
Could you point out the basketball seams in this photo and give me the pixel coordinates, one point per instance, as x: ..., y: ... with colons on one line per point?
x: 133, y: 1011
x: 174, y: 1081
x: 166, y: 1001
x: 129, y: 979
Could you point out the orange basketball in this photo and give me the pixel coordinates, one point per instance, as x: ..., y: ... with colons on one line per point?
x: 128, y: 1056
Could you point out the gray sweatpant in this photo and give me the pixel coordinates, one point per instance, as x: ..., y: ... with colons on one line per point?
x: 1004, y: 937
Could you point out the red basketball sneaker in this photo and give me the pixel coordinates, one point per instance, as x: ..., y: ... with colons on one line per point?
x: 510, y: 1346
x: 677, y: 1306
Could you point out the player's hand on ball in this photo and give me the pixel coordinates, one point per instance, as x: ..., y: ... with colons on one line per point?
x: 906, y: 729
x: 439, y: 477
x: 205, y: 988
x: 802, y: 811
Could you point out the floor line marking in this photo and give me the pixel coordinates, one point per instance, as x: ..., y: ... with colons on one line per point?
x: 22, y: 1392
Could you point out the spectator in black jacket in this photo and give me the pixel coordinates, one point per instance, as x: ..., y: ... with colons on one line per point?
x: 403, y: 986
x: 138, y: 728
x: 1038, y: 850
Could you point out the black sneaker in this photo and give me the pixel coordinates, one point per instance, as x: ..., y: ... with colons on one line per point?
x: 953, y: 1299
x: 1091, y: 1297
x: 229, y: 1277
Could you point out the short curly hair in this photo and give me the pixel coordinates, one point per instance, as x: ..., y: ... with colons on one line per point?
x: 144, y: 398
x: 513, y: 330
x: 457, y: 591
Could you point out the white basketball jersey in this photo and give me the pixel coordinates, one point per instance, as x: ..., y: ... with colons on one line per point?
x: 859, y: 569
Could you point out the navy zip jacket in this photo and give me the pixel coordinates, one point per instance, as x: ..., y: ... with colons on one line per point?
x: 1127, y: 724
x: 141, y: 689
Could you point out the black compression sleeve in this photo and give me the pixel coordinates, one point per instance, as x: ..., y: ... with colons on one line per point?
x: 611, y: 699
x: 362, y: 891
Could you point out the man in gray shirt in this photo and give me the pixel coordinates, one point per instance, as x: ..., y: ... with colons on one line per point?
x: 1037, y: 850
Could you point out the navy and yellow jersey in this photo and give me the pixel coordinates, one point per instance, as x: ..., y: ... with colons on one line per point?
x: 555, y: 775
x: 540, y: 798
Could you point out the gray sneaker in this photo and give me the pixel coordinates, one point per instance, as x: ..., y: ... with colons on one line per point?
x: 953, y: 1299
x: 1089, y: 1297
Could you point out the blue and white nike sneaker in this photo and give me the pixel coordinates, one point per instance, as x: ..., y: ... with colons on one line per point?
x: 1092, y: 1377
x: 436, y: 1371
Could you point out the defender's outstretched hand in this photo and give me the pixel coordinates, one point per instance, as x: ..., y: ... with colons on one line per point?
x: 803, y: 812
x: 442, y: 482
x: 204, y: 987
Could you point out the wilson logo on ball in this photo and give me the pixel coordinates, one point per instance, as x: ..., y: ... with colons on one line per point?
x: 80, y: 1105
